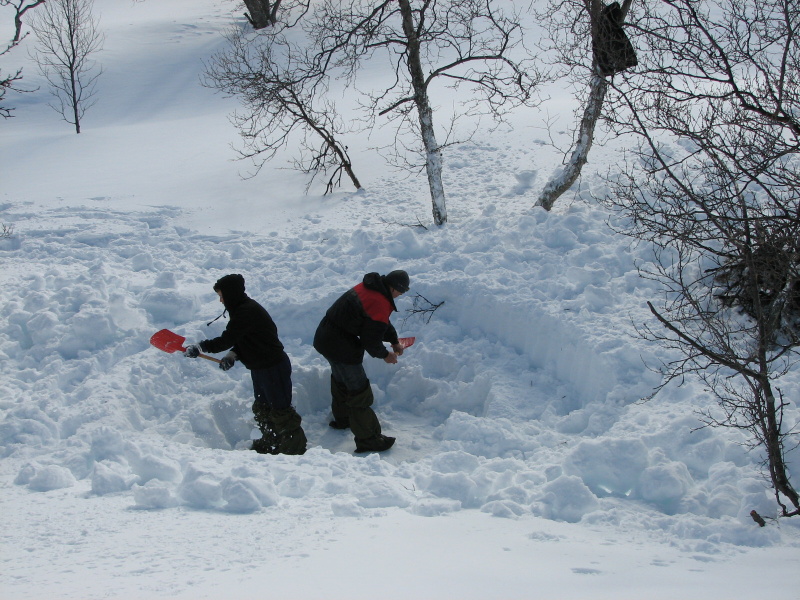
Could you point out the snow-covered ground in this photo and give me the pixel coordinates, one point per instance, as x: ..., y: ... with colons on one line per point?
x: 527, y: 464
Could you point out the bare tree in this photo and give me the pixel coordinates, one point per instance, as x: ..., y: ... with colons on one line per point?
x: 283, y: 103
x: 10, y: 81
x: 573, y: 25
x: 713, y: 185
x: 460, y: 42
x: 67, y: 36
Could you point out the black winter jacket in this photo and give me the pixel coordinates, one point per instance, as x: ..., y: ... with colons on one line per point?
x: 358, y: 321
x: 251, y: 332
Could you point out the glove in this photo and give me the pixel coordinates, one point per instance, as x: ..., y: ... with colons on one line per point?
x: 192, y: 351
x: 227, y: 361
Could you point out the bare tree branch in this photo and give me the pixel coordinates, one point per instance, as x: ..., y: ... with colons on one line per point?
x: 712, y: 185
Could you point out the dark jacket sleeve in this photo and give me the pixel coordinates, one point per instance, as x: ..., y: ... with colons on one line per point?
x: 391, y: 335
x: 233, y: 332
x: 373, y: 334
x: 252, y: 334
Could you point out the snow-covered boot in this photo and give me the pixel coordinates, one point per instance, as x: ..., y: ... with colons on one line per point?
x: 263, y: 418
x: 290, y: 437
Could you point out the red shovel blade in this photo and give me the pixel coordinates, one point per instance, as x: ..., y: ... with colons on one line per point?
x: 407, y: 341
x: 168, y: 341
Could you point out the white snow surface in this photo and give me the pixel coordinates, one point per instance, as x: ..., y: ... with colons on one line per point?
x: 527, y: 464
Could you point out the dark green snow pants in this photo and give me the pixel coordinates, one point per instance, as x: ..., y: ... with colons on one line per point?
x: 355, y: 410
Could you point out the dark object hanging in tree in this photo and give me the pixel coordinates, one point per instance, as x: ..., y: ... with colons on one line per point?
x: 612, y: 48
x: 757, y: 518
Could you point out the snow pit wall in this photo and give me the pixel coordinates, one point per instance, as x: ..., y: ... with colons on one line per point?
x: 549, y: 343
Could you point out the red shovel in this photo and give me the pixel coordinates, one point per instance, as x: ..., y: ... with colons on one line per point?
x: 172, y: 342
x: 406, y: 342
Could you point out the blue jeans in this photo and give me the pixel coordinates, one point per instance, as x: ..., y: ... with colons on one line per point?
x: 273, y: 386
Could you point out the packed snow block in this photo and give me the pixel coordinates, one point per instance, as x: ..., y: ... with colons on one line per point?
x: 107, y: 443
x: 142, y: 262
x: 435, y: 507
x: 610, y: 467
x: 124, y: 317
x: 89, y: 330
x: 505, y: 509
x: 152, y: 495
x: 17, y: 328
x: 148, y: 466
x: 296, y: 485
x: 166, y: 280
x: 455, y: 462
x: 452, y: 475
x: 110, y: 477
x: 239, y: 498
x: 47, y: 478
x: 565, y: 499
x: 665, y: 485
x: 200, y: 489
x: 42, y: 327
x: 168, y: 306
x: 384, y: 493
x: 346, y: 507
x: 405, y: 245
x: 458, y: 486
x: 26, y: 425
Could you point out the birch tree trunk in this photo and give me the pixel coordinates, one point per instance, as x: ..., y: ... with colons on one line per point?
x: 598, y: 86
x: 433, y: 153
x: 562, y: 181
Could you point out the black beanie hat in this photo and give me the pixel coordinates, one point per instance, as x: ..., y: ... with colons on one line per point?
x: 398, y: 280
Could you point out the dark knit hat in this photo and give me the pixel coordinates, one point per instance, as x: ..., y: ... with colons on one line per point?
x: 232, y: 288
x: 398, y: 280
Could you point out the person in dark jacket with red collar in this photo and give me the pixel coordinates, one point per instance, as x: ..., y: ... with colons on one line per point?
x: 357, y: 322
x: 252, y: 338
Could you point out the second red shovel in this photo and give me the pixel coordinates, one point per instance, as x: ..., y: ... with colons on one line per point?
x: 171, y: 342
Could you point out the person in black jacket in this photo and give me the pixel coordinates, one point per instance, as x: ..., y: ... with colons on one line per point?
x: 252, y: 338
x: 357, y: 322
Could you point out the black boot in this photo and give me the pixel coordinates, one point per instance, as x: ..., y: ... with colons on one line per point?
x: 266, y: 445
x: 290, y: 437
x: 263, y: 418
x: 378, y: 443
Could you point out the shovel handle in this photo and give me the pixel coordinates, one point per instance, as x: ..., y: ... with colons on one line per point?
x: 207, y: 357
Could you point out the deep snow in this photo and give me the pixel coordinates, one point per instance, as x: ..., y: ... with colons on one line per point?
x: 527, y: 464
